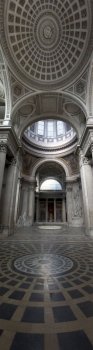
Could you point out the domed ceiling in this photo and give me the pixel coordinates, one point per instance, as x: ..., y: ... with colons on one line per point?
x: 50, y: 133
x: 45, y: 41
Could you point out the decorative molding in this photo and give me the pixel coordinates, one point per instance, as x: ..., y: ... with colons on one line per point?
x: 18, y: 89
x: 87, y: 139
x: 79, y: 87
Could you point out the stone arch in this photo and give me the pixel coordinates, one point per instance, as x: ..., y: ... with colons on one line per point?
x: 40, y: 162
x: 31, y: 95
x: 37, y: 114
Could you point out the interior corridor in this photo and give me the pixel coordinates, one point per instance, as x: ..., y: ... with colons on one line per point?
x: 46, y: 289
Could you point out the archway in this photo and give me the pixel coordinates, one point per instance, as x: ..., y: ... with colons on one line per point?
x: 50, y: 195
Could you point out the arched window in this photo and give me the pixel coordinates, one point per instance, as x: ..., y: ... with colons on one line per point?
x: 51, y: 185
x: 60, y: 127
x: 41, y: 127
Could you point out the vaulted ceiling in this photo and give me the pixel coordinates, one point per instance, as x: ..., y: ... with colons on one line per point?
x: 47, y: 47
x: 47, y: 43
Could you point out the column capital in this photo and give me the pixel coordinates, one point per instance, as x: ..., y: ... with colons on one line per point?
x: 27, y: 183
x: 3, y: 147
x: 83, y: 159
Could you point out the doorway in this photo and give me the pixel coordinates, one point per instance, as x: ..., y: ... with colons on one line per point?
x: 50, y: 210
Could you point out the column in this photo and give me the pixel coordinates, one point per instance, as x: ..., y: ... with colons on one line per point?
x: 37, y: 209
x: 24, y: 200
x: 17, y: 205
x: 92, y: 150
x: 87, y: 190
x: 31, y: 204
x: 47, y: 210
x: 3, y: 148
x: 54, y: 209
x: 92, y: 158
x: 10, y: 197
x: 63, y: 210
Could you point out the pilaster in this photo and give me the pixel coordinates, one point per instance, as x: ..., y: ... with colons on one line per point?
x: 8, y: 213
x: 31, y: 203
x: 87, y: 189
x: 3, y: 150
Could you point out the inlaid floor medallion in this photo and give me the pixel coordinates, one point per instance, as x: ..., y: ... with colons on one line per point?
x: 43, y: 264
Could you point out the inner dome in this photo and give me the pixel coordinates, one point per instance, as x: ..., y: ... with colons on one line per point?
x: 50, y: 133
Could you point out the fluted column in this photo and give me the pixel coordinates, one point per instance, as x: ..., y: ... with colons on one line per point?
x: 87, y: 190
x: 10, y: 196
x: 17, y: 204
x: 31, y: 204
x: 24, y: 200
x: 3, y: 149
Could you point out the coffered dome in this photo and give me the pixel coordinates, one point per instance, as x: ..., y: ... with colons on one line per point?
x: 46, y: 41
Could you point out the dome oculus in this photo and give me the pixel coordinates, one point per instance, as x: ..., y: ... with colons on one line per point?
x: 50, y: 133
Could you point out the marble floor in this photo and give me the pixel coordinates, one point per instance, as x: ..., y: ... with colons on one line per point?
x: 46, y: 289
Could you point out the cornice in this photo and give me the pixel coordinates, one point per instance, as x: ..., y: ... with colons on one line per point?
x: 73, y: 178
x: 8, y: 135
x: 87, y: 139
x: 58, y: 152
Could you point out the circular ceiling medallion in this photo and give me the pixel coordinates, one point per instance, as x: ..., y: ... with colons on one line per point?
x: 26, y: 109
x: 46, y: 41
x: 47, y: 31
x: 43, y: 264
x: 72, y: 108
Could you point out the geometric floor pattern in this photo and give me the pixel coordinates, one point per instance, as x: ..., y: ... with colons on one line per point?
x: 46, y: 290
